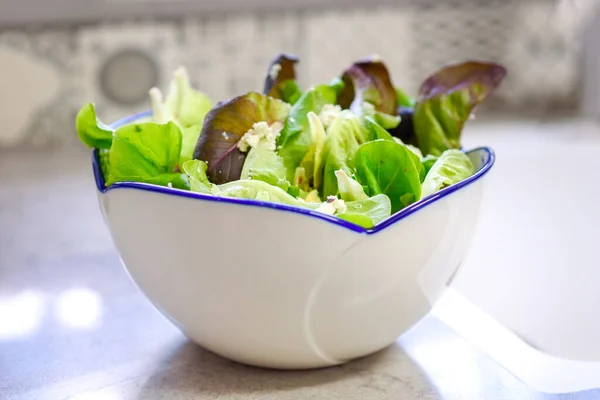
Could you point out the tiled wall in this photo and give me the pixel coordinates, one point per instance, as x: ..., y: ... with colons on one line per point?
x: 48, y: 73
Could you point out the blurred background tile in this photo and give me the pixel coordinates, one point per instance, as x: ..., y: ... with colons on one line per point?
x: 54, y: 68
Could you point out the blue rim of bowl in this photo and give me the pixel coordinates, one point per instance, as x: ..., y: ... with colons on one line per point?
x: 405, y: 212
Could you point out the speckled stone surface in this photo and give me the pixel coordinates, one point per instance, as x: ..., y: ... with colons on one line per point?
x: 72, y: 325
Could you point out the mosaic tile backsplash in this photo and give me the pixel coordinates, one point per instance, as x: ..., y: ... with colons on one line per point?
x: 48, y: 73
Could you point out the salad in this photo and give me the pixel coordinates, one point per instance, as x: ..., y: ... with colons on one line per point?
x: 356, y: 147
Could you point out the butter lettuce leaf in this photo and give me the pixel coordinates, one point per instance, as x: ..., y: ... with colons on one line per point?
x: 344, y: 137
x: 258, y: 190
x: 367, y: 212
x: 265, y: 165
x: 296, y: 138
x: 451, y: 167
x: 428, y: 162
x: 189, y: 138
x: 185, y: 105
x: 311, y: 165
x: 196, y: 171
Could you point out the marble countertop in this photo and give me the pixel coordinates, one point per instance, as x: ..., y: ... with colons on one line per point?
x: 72, y: 325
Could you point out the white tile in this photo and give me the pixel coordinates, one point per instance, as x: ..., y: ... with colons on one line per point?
x: 27, y: 83
x: 336, y: 39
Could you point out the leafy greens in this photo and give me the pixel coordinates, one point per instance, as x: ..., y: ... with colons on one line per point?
x: 356, y: 147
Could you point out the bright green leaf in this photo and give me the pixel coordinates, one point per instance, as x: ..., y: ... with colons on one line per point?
x: 387, y: 167
x: 147, y: 152
x: 189, y: 138
x: 91, y: 131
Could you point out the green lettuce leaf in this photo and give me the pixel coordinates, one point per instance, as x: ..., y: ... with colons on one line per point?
x: 350, y: 190
x: 281, y: 71
x: 91, y: 131
x: 265, y: 165
x: 403, y: 99
x: 367, y: 212
x: 375, y: 130
x: 451, y: 167
x: 258, y: 190
x: 290, y: 92
x: 311, y: 165
x: 147, y: 152
x: 104, y: 157
x: 242, y: 189
x: 387, y: 167
x: 386, y: 121
x: 369, y: 81
x: 447, y: 99
x: 196, y: 171
x: 428, y: 162
x: 184, y: 105
x: 189, y: 138
x: 226, y: 124
x: 296, y: 138
x: 416, y: 156
x: 344, y: 136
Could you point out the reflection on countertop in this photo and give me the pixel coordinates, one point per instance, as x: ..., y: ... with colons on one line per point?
x: 72, y: 325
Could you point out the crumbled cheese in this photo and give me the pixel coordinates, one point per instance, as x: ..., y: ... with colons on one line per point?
x: 225, y: 135
x: 326, y: 208
x: 261, y: 132
x: 170, y: 185
x: 274, y: 71
x: 332, y: 206
x: 329, y: 113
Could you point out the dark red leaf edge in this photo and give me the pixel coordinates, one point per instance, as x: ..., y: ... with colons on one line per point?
x: 287, y: 71
x: 364, y: 76
x: 461, y: 75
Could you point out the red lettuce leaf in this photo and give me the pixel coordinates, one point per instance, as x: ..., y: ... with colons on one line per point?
x: 369, y: 81
x: 281, y: 69
x: 448, y: 98
x: 225, y: 125
x: 480, y: 78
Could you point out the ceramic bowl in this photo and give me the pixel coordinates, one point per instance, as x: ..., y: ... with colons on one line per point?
x: 276, y: 286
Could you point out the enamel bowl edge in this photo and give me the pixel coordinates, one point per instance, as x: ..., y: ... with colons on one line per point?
x: 274, y: 286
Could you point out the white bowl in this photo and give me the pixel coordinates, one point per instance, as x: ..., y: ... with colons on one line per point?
x: 276, y: 286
